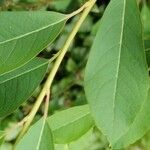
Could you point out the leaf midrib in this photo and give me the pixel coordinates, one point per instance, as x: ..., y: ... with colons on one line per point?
x: 119, y: 59
x: 23, y: 73
x: 141, y: 108
x: 139, y: 112
x: 71, y: 122
x: 34, y: 31
x: 41, y: 133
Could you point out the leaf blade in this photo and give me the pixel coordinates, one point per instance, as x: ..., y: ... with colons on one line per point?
x: 23, y: 82
x: 42, y: 136
x: 75, y: 119
x: 116, y: 78
x: 25, y: 35
x: 139, y: 127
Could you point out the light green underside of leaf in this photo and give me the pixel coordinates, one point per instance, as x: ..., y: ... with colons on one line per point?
x: 70, y: 124
x: 18, y: 85
x: 38, y: 137
x: 24, y: 34
x: 116, y: 76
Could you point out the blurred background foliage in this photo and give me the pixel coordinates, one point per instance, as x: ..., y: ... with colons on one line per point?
x: 67, y: 90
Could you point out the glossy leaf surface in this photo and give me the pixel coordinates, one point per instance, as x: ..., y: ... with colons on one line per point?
x: 116, y: 77
x: 18, y: 85
x: 24, y: 34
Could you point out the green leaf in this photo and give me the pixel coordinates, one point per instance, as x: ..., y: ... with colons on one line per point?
x: 24, y: 34
x: 38, y: 137
x: 70, y: 124
x: 139, y: 127
x: 85, y: 142
x: 147, y: 52
x: 18, y: 85
x: 95, y: 27
x: 116, y: 76
x: 145, y: 14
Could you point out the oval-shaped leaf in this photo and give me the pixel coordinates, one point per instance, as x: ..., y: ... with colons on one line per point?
x: 116, y: 77
x: 24, y: 34
x: 38, y: 137
x: 70, y: 124
x: 18, y: 85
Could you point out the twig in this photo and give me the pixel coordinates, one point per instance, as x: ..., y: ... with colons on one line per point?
x: 87, y: 7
